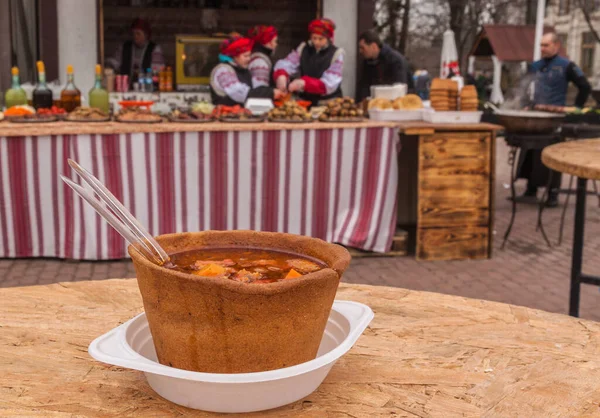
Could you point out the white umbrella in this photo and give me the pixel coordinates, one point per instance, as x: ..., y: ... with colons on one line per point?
x: 449, y: 55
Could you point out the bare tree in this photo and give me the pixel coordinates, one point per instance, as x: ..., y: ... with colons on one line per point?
x: 393, y: 20
x: 585, y: 6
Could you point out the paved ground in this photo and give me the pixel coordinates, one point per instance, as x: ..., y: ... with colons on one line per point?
x: 526, y: 272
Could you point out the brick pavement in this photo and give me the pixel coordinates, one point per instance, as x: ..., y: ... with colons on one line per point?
x: 526, y: 272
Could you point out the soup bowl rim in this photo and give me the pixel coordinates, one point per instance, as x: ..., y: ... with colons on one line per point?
x: 340, y: 254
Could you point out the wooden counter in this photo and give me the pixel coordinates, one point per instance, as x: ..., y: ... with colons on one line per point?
x: 424, y: 354
x: 107, y: 128
x: 451, y: 197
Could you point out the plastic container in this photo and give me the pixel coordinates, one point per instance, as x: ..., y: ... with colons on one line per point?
x: 259, y: 106
x: 395, y: 115
x: 389, y: 92
x: 457, y: 117
x: 130, y: 345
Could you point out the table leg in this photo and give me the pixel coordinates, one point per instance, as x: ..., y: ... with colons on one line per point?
x: 542, y: 204
x: 564, y: 212
x: 513, y: 194
x: 577, y: 253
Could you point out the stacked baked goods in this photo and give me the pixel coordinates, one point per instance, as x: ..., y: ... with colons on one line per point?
x: 468, y: 99
x: 407, y: 102
x: 444, y: 94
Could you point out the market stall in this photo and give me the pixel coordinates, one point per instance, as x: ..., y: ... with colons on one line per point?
x: 335, y: 181
x: 447, y: 188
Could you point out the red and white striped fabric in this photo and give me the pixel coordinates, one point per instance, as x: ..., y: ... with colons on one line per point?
x: 335, y: 184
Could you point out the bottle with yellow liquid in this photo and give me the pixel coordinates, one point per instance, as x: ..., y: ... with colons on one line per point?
x: 42, y: 95
x: 15, y: 96
x: 70, y: 97
x: 98, y: 96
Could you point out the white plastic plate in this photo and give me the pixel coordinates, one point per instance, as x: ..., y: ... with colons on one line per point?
x: 452, y: 117
x: 130, y: 345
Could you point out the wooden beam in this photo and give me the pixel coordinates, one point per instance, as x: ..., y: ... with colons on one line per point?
x: 5, y: 46
x: 48, y: 37
x: 366, y: 10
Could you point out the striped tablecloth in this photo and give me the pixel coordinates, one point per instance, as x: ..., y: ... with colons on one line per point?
x: 335, y: 184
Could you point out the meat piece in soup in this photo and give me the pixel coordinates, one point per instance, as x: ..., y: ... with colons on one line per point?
x: 245, y: 265
x: 303, y: 265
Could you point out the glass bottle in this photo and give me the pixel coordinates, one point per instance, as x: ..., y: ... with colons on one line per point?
x: 15, y: 95
x: 42, y: 95
x: 70, y: 97
x: 149, y: 84
x: 98, y: 95
x: 169, y: 82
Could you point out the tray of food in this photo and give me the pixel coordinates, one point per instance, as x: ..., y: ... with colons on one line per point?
x: 33, y: 118
x: 236, y: 114
x: 87, y: 114
x: 59, y: 112
x: 342, y: 109
x: 134, y: 114
x: 406, y: 108
x: 290, y: 112
x: 179, y: 116
x: 18, y: 111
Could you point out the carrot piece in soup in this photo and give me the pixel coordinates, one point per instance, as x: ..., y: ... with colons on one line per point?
x: 211, y: 270
x: 292, y: 274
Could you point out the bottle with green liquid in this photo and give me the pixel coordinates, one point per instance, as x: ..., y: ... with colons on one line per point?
x: 15, y: 96
x: 98, y: 96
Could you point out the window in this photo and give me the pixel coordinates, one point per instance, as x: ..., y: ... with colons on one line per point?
x: 563, y: 7
x: 563, y: 38
x: 588, y: 45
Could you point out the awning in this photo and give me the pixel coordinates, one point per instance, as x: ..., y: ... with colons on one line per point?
x: 510, y: 43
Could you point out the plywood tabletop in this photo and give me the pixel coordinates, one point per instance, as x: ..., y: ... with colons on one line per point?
x: 579, y: 158
x: 424, y: 354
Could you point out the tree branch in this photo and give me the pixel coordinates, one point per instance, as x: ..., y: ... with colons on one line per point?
x: 588, y: 19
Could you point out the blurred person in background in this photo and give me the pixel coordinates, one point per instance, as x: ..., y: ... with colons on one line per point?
x: 231, y: 80
x: 265, y: 40
x: 137, y: 54
x: 382, y: 65
x: 316, y: 66
x: 553, y: 74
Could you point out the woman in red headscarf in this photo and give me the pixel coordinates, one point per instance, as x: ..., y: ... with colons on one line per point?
x: 317, y: 65
x: 231, y: 81
x: 261, y: 67
x: 139, y: 53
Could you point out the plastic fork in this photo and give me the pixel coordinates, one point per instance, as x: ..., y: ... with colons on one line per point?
x: 117, y: 215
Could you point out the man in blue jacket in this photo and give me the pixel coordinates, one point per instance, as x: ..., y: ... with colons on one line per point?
x: 553, y: 75
x: 382, y: 65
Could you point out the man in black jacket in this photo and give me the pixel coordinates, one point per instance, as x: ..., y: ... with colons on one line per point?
x: 382, y: 65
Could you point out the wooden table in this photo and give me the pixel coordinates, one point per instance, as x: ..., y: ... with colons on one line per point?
x: 446, y: 188
x: 334, y: 181
x: 581, y: 159
x: 425, y: 354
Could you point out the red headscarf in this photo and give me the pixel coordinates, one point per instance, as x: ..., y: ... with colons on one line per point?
x: 262, y: 34
x: 236, y: 45
x: 142, y: 25
x: 323, y: 27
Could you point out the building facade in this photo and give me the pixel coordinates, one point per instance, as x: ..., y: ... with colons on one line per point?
x: 570, y: 24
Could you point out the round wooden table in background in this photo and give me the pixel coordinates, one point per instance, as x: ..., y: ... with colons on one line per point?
x: 424, y: 354
x: 581, y: 159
